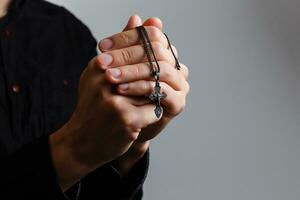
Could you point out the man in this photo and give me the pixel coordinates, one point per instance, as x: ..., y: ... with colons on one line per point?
x: 74, y: 124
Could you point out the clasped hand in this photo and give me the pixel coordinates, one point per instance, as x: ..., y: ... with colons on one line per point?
x: 114, y: 119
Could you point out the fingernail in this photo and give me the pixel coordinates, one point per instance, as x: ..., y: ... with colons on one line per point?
x: 115, y: 72
x: 106, y: 44
x: 105, y: 59
x: 124, y: 86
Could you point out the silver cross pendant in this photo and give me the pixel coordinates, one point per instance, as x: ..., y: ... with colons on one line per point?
x: 156, y: 96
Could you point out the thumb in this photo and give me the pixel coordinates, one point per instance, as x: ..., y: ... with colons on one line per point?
x: 133, y: 22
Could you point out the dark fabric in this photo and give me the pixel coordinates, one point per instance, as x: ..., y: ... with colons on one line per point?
x: 43, y: 51
x: 124, y: 187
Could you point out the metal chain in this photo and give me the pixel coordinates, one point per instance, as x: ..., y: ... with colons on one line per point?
x: 156, y: 95
x: 178, y: 67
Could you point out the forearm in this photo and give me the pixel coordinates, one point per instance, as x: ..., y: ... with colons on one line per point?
x: 68, y: 168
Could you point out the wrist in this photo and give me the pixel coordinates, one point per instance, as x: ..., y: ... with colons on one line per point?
x: 127, y: 161
x: 68, y: 167
x: 138, y: 149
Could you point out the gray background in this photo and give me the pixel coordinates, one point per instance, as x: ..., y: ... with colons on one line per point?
x: 239, y: 137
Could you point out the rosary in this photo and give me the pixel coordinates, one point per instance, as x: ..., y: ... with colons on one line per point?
x: 156, y: 96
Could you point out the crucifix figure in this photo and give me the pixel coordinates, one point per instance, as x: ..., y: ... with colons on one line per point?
x: 156, y: 97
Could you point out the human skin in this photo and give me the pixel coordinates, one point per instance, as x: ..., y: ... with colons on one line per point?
x: 125, y: 162
x: 3, y: 7
x: 89, y: 140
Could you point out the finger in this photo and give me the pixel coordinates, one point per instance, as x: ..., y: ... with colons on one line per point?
x: 154, y: 21
x: 138, y: 100
x: 133, y: 55
x: 131, y: 37
x: 110, y: 100
x: 143, y: 71
x: 138, y: 117
x: 133, y: 22
x: 145, y: 115
x: 93, y: 74
x: 175, y: 51
x: 174, y: 101
x: 133, y: 117
x: 184, y: 70
x: 98, y: 60
x: 108, y: 92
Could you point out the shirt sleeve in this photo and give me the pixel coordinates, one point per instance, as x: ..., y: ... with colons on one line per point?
x: 107, y: 183
x: 29, y: 173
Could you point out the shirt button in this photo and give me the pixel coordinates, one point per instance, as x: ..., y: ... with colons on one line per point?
x: 7, y: 32
x: 15, y: 88
x: 66, y: 82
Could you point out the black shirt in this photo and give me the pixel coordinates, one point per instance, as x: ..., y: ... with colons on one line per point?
x: 44, y: 49
x: 3, y: 88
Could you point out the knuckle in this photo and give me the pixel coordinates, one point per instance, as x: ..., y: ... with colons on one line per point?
x: 124, y: 38
x: 125, y: 56
x: 135, y: 70
x: 94, y: 64
x: 163, y: 87
x: 97, y: 62
x: 125, y: 119
x: 104, y: 94
x: 187, y: 71
x: 177, y: 110
x: 113, y: 103
x: 148, y: 68
x: 128, y: 119
x: 166, y: 66
x: 183, y: 105
x: 132, y: 134
x: 168, y: 73
x: 175, y: 50
x: 147, y: 86
x: 159, y: 50
x: 188, y: 87
x: 179, y: 106
x: 155, y: 33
